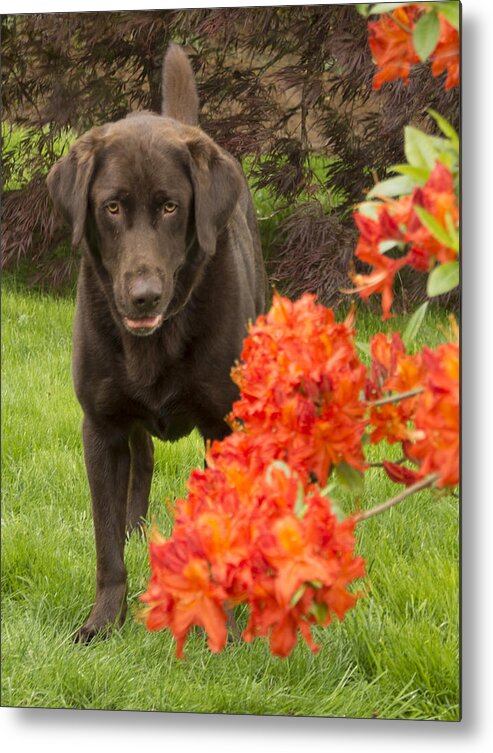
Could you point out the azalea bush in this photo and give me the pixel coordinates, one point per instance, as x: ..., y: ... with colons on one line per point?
x: 409, y: 33
x: 413, y: 219
x: 260, y: 526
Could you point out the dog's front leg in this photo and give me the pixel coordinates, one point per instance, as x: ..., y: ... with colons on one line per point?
x: 107, y: 457
x: 139, y: 486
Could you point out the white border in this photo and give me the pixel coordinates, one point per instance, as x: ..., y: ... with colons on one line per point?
x: 77, y: 731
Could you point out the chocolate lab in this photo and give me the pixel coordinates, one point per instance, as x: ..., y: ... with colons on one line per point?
x: 171, y: 273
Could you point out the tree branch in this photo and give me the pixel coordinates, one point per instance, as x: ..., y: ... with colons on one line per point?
x: 418, y: 486
x: 400, y: 461
x: 397, y: 397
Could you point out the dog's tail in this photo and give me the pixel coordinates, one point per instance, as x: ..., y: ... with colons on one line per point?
x: 180, y: 99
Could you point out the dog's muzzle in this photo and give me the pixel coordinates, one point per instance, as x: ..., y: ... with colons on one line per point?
x: 144, y: 326
x: 144, y: 297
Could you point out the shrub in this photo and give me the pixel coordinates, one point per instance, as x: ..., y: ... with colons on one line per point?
x: 278, y: 84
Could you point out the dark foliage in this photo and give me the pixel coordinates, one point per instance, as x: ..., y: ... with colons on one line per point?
x: 319, y: 244
x: 279, y: 84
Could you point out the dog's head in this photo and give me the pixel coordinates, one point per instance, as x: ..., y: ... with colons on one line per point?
x: 148, y: 196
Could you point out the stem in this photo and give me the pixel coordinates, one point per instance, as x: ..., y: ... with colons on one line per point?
x: 381, y: 465
x: 401, y: 25
x: 397, y: 397
x: 422, y: 484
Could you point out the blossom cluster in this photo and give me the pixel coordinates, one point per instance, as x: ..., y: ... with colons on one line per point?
x: 392, y: 44
x: 251, y: 533
x: 424, y: 418
x: 300, y: 382
x: 256, y: 527
x: 397, y: 222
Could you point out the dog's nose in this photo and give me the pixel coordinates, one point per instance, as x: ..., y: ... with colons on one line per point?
x: 145, y: 293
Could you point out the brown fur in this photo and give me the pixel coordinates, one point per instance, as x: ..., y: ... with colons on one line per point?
x: 197, y: 269
x: 179, y: 99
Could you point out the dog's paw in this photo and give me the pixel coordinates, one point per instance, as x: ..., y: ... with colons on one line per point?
x: 89, y: 633
x: 107, y: 615
x: 139, y: 526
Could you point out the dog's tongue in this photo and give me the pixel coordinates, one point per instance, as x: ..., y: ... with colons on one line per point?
x: 145, y: 323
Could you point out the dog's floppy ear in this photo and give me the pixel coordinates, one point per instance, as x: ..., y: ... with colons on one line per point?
x: 68, y: 183
x: 217, y: 183
x: 180, y: 100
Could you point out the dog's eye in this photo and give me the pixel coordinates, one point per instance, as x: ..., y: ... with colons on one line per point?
x: 169, y: 207
x: 113, y: 207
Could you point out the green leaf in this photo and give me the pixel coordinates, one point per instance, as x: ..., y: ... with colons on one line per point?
x: 435, y: 228
x: 363, y: 8
x: 418, y: 174
x: 297, y: 595
x: 414, y: 324
x: 300, y: 507
x: 446, y: 128
x: 443, y: 278
x: 386, y: 246
x: 364, y: 347
x: 337, y: 510
x: 320, y: 611
x: 369, y: 209
x: 425, y: 35
x: 452, y: 231
x: 386, y: 7
x: 451, y: 11
x: 350, y: 478
x: 328, y: 489
x: 421, y: 149
x: 448, y: 157
x: 397, y: 186
x: 284, y: 467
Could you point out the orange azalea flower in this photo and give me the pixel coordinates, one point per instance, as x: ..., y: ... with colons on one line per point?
x: 386, y: 351
x: 284, y: 636
x: 446, y: 56
x: 392, y: 371
x: 372, y: 233
x: 407, y: 374
x: 391, y: 44
x: 311, y: 560
x: 437, y: 416
x: 397, y: 220
x: 427, y: 424
x: 260, y: 550
x: 390, y: 424
x: 437, y: 196
x: 269, y: 620
x: 295, y: 558
x: 400, y: 474
x: 181, y: 594
x: 380, y: 281
x: 301, y: 377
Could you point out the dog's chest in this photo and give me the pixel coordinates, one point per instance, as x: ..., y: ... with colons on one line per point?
x: 171, y: 426
x: 166, y: 407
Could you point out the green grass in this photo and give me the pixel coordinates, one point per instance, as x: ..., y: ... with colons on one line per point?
x: 394, y: 656
x: 272, y: 210
x: 19, y: 144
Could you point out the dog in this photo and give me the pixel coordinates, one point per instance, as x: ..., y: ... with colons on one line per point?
x: 171, y: 272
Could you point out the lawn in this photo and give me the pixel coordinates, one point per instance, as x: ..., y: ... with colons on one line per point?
x: 394, y: 656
